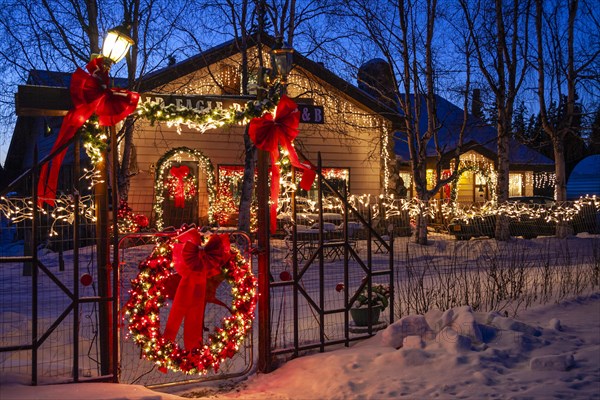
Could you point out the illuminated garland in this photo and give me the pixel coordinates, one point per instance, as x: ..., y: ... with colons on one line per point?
x: 148, y: 295
x: 94, y: 139
x: 205, y: 119
x: 19, y: 209
x: 162, y: 167
x: 392, y: 206
x: 225, y: 205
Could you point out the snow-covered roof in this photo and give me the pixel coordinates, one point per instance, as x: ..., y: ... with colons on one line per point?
x: 585, y: 178
x: 476, y: 132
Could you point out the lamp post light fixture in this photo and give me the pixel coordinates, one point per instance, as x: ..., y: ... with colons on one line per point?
x: 116, y: 44
x: 282, y: 58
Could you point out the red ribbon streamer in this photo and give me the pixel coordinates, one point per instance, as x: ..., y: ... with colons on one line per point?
x: 200, y: 271
x: 267, y: 132
x: 90, y: 93
x: 180, y: 173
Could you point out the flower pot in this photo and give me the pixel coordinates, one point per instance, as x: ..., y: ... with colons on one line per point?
x: 360, y: 316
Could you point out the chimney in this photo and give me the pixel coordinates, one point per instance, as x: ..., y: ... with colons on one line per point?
x: 374, y: 77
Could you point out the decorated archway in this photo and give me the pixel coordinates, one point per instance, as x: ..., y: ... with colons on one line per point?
x: 172, y: 179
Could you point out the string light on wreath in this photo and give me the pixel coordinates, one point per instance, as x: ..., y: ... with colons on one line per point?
x: 181, y: 185
x: 150, y: 291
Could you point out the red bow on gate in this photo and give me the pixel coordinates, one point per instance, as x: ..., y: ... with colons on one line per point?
x: 90, y: 93
x: 179, y: 173
x: 267, y: 132
x: 200, y: 271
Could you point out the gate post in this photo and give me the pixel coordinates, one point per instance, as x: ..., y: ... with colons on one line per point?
x: 102, y: 252
x: 264, y: 251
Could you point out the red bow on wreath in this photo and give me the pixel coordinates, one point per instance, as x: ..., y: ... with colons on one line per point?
x: 90, y: 94
x: 267, y: 132
x: 179, y: 173
x: 200, y: 271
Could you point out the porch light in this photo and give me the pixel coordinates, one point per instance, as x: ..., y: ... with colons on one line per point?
x: 282, y: 57
x: 116, y: 44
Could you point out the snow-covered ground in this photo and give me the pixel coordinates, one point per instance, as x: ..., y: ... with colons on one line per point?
x: 551, y: 351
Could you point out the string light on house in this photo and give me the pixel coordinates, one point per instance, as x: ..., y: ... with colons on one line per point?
x: 542, y: 180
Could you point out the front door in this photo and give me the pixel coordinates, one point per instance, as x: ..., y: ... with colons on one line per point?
x: 181, y: 194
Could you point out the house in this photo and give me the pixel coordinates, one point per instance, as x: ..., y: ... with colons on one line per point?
x: 354, y: 141
x: 530, y: 173
x: 350, y: 141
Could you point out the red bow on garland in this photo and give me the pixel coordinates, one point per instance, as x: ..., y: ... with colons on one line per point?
x: 90, y: 93
x: 267, y: 132
x: 179, y: 173
x: 200, y: 271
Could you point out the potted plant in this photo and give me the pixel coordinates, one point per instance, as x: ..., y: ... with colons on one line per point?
x: 379, y: 300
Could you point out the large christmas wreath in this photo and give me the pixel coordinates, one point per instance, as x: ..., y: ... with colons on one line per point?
x: 188, y: 269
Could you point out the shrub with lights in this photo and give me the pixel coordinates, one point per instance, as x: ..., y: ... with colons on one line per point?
x: 128, y: 221
x: 188, y: 269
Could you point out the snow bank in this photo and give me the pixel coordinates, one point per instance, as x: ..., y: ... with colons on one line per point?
x: 548, y: 352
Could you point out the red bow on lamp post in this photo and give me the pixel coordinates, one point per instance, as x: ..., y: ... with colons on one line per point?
x: 200, y: 270
x: 90, y: 93
x: 267, y: 132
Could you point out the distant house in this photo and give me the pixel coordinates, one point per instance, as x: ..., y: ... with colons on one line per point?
x: 530, y: 171
x: 349, y: 140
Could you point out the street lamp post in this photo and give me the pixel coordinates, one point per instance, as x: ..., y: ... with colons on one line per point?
x: 281, y: 64
x: 115, y: 46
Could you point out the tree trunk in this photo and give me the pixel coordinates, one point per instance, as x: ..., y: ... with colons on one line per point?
x: 124, y: 173
x: 421, y: 232
x: 563, y: 228
x: 247, y: 184
x: 502, y: 223
x: 421, y: 186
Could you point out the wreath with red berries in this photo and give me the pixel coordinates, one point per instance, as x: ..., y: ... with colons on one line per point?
x: 158, y: 280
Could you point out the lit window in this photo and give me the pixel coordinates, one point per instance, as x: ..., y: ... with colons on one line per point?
x: 515, y: 185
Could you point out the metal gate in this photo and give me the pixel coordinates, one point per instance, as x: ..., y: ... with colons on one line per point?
x: 56, y: 302
x: 316, y: 276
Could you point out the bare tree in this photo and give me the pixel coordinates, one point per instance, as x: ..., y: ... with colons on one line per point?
x: 500, y: 37
x: 405, y: 34
x: 568, y: 71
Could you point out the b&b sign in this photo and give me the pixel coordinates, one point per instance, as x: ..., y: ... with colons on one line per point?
x: 310, y: 114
